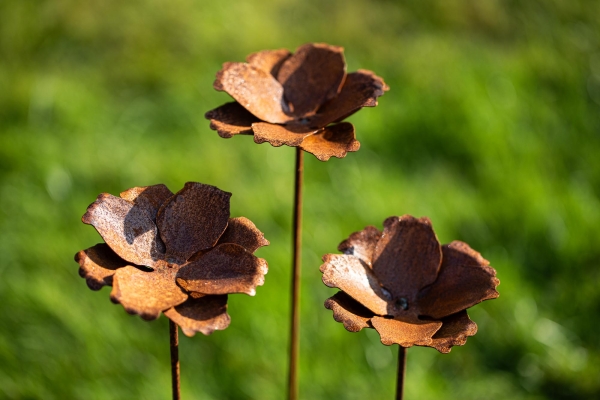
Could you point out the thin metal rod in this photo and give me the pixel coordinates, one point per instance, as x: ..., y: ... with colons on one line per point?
x: 401, y: 372
x: 295, y: 325
x: 174, y: 339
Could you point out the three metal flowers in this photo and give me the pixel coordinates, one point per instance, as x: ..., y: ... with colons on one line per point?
x: 181, y: 254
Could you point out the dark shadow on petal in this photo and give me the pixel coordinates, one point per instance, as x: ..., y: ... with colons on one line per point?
x: 135, y: 226
x: 203, y: 308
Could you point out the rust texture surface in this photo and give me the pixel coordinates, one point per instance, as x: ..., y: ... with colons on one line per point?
x: 292, y: 99
x: 178, y: 254
x: 405, y: 285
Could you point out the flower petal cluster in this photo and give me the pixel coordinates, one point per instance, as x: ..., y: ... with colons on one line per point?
x: 402, y: 283
x: 295, y: 99
x: 180, y: 254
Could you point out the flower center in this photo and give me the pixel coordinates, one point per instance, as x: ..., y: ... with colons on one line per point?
x: 402, y: 303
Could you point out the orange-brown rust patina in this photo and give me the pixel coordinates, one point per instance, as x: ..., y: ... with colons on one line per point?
x: 295, y: 99
x: 180, y: 254
x: 402, y: 283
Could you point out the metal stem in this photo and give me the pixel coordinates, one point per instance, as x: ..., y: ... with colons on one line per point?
x: 295, y: 325
x: 174, y: 339
x: 401, y: 372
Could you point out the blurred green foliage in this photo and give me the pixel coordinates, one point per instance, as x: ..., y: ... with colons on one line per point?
x: 491, y: 128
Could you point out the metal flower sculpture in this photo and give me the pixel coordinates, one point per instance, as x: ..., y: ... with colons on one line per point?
x: 402, y: 283
x: 298, y: 100
x: 179, y: 254
x: 295, y: 99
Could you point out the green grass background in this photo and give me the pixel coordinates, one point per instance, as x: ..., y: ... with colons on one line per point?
x: 491, y: 128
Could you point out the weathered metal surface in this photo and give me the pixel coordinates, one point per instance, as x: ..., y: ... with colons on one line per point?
x: 205, y: 314
x: 294, y: 347
x: 242, y: 231
x: 127, y: 228
x: 465, y: 279
x: 312, y: 76
x: 349, y: 312
x: 332, y: 141
x: 361, y: 244
x: 416, y: 292
x: 407, y: 257
x: 348, y: 274
x: 153, y: 234
x: 231, y: 119
x: 228, y: 268
x: 255, y: 89
x: 269, y: 60
x: 193, y: 220
x: 454, y: 331
x: 146, y: 293
x: 403, y: 333
x: 98, y: 265
x: 149, y: 198
x: 308, y: 89
x: 175, y: 370
x: 278, y: 135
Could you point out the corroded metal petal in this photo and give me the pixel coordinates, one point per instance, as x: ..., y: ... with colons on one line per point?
x: 149, y: 198
x: 361, y: 89
x: 255, y: 89
x: 192, y: 220
x: 407, y: 257
x: 98, y: 265
x: 231, y: 119
x: 127, y: 228
x: 205, y: 314
x: 347, y: 273
x: 349, y: 312
x: 393, y: 331
x: 228, y: 268
x: 277, y: 135
x: 332, y: 141
x: 269, y: 60
x: 242, y: 231
x: 310, y: 77
x: 361, y: 244
x: 146, y: 293
x: 454, y: 332
x: 465, y: 279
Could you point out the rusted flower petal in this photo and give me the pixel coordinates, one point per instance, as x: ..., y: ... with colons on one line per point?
x: 269, y: 60
x: 407, y: 257
x: 361, y: 89
x: 228, y: 268
x: 205, y: 314
x: 193, y: 220
x: 231, y: 119
x: 464, y: 280
x: 426, y: 287
x: 361, y: 244
x: 146, y: 293
x: 277, y: 135
x: 127, y: 228
x: 349, y: 312
x: 347, y: 273
x: 242, y: 231
x: 311, y: 76
x: 332, y: 141
x: 149, y: 198
x: 393, y: 331
x: 98, y: 265
x: 454, y: 332
x: 255, y: 89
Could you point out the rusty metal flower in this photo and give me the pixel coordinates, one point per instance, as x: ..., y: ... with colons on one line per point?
x: 295, y: 99
x: 178, y: 253
x: 402, y: 283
